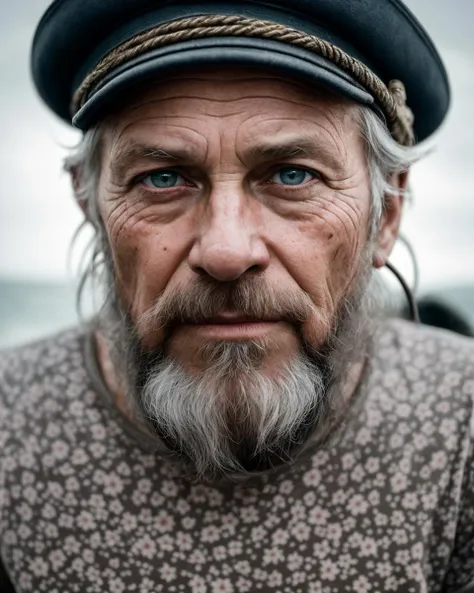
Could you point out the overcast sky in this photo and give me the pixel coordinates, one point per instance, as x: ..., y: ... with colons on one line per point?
x: 38, y: 216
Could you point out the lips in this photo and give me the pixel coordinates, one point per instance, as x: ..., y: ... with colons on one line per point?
x: 229, y: 319
x: 228, y: 326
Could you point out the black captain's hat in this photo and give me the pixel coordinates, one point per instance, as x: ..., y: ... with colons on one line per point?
x: 88, y: 53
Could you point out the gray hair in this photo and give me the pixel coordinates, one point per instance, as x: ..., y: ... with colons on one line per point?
x: 385, y: 158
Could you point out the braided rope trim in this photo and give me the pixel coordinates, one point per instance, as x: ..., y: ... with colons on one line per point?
x: 200, y: 27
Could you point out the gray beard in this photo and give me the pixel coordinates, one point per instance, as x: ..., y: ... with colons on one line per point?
x: 232, y: 418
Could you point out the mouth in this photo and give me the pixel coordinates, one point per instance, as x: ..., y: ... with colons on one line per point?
x: 232, y: 326
x: 230, y: 319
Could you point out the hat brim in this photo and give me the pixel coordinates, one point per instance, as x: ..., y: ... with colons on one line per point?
x: 191, y: 55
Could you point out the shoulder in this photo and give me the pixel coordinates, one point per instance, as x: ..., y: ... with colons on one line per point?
x: 404, y: 345
x: 423, y: 378
x: 32, y: 367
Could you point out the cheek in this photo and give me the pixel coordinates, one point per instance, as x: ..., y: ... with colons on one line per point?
x: 321, y: 250
x: 145, y: 256
x: 325, y: 243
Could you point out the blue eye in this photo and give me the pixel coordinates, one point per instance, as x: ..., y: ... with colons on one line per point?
x: 163, y: 179
x: 292, y: 176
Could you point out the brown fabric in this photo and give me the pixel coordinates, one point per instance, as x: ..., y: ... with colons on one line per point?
x: 386, y: 506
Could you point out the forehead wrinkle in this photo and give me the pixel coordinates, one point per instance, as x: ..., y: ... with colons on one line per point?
x: 302, y: 146
x: 298, y: 119
x: 132, y: 151
x: 335, y: 116
x: 202, y: 99
x: 146, y: 106
x: 334, y: 152
x: 314, y: 102
x: 121, y: 139
x: 225, y: 115
x: 147, y: 103
x: 139, y: 122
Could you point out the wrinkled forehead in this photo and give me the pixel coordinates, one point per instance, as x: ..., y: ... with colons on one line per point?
x: 238, y: 97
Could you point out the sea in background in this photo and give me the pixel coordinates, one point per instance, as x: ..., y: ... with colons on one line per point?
x: 32, y: 310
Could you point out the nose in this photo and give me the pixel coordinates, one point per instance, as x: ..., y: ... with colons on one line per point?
x: 229, y: 243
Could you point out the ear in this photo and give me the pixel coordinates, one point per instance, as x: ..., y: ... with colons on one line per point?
x: 390, y: 223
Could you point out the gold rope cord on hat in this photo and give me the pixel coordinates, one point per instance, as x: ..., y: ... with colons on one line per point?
x: 399, y: 117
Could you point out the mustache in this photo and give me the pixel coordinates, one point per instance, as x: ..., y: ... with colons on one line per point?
x: 206, y: 298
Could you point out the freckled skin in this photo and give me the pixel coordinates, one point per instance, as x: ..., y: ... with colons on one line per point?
x: 230, y: 218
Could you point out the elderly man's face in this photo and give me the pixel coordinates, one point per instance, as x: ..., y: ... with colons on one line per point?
x: 236, y: 211
x: 223, y: 178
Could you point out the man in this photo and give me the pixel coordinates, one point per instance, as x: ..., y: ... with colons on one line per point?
x: 235, y: 418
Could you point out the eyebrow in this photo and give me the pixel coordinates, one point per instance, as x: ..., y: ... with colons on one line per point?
x: 305, y: 147
x: 300, y: 147
x: 136, y: 152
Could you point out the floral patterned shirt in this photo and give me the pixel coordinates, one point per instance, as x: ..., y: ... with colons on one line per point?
x: 88, y: 505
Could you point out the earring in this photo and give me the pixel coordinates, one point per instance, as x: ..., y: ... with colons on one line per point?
x: 415, y: 315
